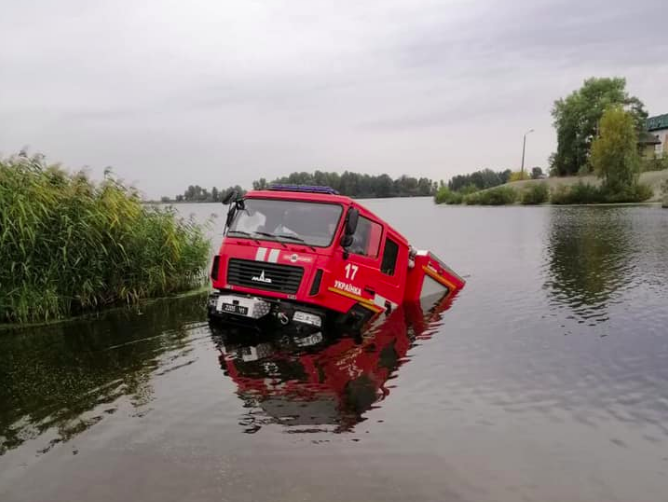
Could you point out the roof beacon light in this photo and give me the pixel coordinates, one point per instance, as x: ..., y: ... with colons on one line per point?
x: 303, y: 188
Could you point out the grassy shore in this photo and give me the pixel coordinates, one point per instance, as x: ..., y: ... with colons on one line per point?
x: 69, y: 245
x: 654, y: 179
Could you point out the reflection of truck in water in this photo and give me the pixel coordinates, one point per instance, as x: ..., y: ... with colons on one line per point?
x: 306, y: 257
x: 315, y: 382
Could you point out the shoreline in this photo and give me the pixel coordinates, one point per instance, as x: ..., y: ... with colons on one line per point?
x: 656, y: 180
x: 97, y: 314
x: 658, y: 204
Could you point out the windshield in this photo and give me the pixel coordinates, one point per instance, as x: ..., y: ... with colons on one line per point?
x: 310, y: 223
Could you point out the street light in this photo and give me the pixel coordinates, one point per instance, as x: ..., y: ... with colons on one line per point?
x: 524, y: 147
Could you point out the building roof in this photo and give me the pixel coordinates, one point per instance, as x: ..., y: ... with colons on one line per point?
x: 657, y: 123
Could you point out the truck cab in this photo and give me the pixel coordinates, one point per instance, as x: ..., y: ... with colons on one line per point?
x: 307, y: 256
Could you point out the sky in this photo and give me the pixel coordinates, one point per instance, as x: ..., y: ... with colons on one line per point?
x: 210, y: 92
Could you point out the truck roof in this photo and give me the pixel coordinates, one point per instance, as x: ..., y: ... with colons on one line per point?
x: 301, y: 196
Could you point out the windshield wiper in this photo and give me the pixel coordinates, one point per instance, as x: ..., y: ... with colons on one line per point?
x: 264, y: 234
x: 241, y: 232
x: 271, y: 236
x: 295, y: 238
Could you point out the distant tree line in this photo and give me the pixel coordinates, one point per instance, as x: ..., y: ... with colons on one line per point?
x: 358, y: 185
x: 196, y: 193
x: 350, y: 184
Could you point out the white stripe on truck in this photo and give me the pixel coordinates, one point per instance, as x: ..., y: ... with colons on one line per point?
x: 273, y: 255
x: 261, y: 253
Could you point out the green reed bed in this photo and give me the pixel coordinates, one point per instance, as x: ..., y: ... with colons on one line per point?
x: 68, y: 245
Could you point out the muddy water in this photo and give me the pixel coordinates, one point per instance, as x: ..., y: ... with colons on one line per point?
x: 545, y: 380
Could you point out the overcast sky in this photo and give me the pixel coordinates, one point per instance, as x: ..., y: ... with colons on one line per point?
x: 211, y: 92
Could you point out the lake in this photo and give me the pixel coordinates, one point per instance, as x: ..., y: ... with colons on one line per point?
x: 546, y: 379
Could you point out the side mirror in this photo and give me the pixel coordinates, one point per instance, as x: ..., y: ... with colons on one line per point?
x: 230, y: 197
x: 351, y: 222
x: 346, y: 241
x: 350, y: 226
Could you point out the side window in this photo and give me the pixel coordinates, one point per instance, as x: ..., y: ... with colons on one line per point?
x: 366, y: 239
x: 390, y: 254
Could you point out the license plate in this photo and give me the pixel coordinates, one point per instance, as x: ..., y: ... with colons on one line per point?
x: 230, y: 308
x: 307, y: 318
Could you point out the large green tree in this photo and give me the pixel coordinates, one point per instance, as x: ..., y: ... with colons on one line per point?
x: 614, y: 153
x: 577, y: 116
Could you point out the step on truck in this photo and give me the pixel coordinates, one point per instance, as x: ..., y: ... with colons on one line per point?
x: 307, y: 258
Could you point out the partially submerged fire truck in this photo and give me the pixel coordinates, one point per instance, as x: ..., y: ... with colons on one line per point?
x: 308, y: 258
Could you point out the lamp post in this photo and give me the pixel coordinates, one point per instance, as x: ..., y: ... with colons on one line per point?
x: 524, y: 147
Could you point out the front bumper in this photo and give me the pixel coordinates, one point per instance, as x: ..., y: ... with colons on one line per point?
x: 236, y: 308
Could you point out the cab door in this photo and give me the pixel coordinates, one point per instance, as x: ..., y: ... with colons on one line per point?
x: 357, y: 275
x: 392, y: 270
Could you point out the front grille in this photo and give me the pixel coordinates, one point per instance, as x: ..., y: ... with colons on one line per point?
x: 279, y: 278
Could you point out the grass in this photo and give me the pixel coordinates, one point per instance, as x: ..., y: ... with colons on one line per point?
x: 446, y: 196
x: 567, y: 190
x: 579, y: 193
x: 69, y: 245
x: 535, y: 194
x: 497, y: 196
x: 584, y: 193
x: 653, y: 179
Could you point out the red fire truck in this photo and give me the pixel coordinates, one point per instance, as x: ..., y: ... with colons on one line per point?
x: 309, y: 258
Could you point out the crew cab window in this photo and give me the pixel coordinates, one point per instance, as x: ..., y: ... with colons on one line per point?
x: 390, y: 254
x: 366, y: 239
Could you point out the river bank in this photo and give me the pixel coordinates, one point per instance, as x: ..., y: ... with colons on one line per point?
x: 651, y: 187
x: 98, y: 315
x: 654, y: 179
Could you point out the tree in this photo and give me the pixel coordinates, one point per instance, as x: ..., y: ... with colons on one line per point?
x: 614, y: 154
x: 576, y: 120
x: 214, y: 195
x: 260, y: 184
x: 504, y: 176
x: 384, y: 186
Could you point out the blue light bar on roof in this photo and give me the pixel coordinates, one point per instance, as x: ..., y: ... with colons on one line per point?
x: 303, y: 188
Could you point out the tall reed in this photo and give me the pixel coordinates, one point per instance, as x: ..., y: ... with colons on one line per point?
x: 69, y: 245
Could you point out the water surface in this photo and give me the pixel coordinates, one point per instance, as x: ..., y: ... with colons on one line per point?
x: 546, y: 379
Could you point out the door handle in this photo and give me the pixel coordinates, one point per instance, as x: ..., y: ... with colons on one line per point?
x: 369, y: 290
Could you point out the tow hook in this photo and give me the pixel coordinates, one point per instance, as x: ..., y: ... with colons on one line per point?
x: 283, y: 319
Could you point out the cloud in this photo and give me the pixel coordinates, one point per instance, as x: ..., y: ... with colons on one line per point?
x: 173, y: 94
